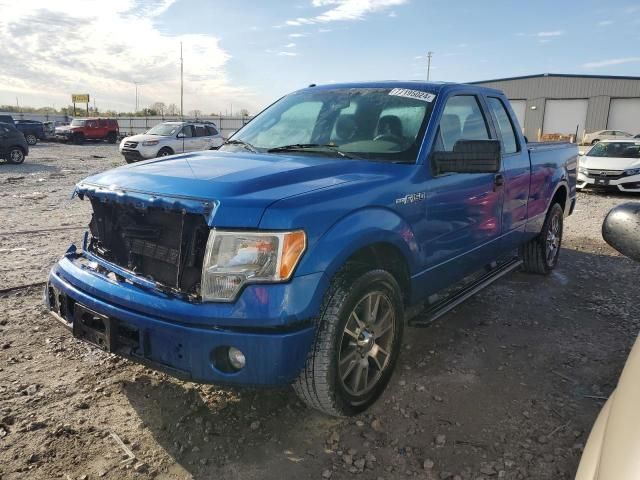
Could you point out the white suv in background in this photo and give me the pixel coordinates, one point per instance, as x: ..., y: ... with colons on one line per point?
x: 169, y: 138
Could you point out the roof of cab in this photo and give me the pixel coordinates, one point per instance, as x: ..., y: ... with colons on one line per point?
x: 432, y: 87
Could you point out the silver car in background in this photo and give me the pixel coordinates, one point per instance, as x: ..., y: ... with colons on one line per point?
x: 169, y: 138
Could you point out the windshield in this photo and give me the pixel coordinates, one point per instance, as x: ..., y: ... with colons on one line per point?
x: 365, y: 123
x: 615, y: 149
x: 78, y: 123
x: 165, y: 129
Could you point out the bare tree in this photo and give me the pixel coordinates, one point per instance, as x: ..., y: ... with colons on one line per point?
x: 159, y: 107
x: 195, y: 113
x: 172, y: 109
x: 244, y: 112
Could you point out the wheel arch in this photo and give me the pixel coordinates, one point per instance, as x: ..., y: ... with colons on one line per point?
x: 374, y: 237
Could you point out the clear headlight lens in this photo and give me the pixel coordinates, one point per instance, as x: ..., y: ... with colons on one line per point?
x: 632, y: 171
x: 234, y: 259
x: 583, y: 170
x: 148, y: 143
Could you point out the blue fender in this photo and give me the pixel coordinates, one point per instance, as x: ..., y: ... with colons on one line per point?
x: 358, y: 230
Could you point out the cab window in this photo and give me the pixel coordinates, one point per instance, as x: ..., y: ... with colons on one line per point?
x: 503, y: 121
x: 211, y: 131
x: 187, y: 131
x: 462, y: 119
x: 200, y: 131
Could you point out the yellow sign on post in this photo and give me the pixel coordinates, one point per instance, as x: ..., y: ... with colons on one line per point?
x: 80, y: 98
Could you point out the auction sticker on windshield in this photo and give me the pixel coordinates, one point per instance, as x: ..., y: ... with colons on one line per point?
x: 417, y: 94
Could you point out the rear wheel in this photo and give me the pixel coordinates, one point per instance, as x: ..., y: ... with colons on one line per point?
x: 16, y: 155
x: 357, y: 343
x: 540, y: 255
x: 78, y: 139
x: 595, y: 141
x: 112, y: 137
x: 31, y: 139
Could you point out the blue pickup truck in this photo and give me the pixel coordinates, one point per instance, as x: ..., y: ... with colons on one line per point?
x: 296, y: 253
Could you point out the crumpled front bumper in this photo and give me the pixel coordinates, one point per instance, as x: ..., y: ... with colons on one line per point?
x: 270, y: 324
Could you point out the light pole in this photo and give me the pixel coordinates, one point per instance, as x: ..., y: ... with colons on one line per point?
x: 181, y: 83
x: 429, y: 55
x: 136, y: 84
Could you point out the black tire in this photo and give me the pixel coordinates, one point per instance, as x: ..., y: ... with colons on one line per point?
x: 129, y: 160
x: 31, y: 139
x: 320, y: 384
x: 536, y: 254
x: 595, y: 141
x: 112, y: 137
x: 164, y: 152
x: 15, y: 155
x: 78, y: 139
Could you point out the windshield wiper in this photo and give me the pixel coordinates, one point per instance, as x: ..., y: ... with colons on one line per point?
x: 246, y: 145
x: 309, y: 146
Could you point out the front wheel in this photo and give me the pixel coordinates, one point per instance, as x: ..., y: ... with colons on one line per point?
x: 540, y: 255
x: 595, y: 141
x: 31, y: 139
x: 165, y: 152
x: 16, y: 156
x: 357, y: 343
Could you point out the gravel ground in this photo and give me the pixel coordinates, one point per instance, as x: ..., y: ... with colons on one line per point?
x: 506, y: 386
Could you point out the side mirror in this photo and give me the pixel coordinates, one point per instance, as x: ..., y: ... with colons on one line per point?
x: 181, y: 135
x: 469, y: 156
x: 621, y: 229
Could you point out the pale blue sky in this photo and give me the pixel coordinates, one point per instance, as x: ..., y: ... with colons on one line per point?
x: 249, y: 52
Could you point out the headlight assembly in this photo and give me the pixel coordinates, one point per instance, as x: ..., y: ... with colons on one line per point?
x: 583, y: 170
x: 148, y: 143
x: 632, y: 171
x: 234, y: 259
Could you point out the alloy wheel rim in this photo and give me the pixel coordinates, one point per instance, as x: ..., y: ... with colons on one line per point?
x: 366, y: 343
x: 31, y: 140
x: 553, y: 239
x: 16, y: 155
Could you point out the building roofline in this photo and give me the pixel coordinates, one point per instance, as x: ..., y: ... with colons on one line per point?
x: 568, y: 75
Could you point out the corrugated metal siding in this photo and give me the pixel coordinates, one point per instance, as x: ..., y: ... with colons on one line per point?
x: 536, y: 90
x: 567, y: 87
x: 597, y: 113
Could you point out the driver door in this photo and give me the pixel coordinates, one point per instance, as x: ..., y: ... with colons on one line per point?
x: 463, y: 210
x: 187, y: 141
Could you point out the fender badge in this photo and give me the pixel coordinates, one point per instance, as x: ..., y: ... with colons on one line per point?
x: 411, y: 198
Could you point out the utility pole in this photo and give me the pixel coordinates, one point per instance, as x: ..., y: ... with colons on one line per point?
x: 429, y: 55
x: 181, y: 83
x: 136, y: 84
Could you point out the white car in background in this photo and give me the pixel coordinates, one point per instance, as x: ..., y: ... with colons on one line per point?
x: 595, y: 137
x: 169, y: 138
x: 611, y: 163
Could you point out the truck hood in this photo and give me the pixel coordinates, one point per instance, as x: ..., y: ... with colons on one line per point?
x: 231, y: 189
x: 609, y: 163
x: 143, y: 137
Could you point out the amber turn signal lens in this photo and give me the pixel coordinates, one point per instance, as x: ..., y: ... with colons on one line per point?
x: 292, y: 249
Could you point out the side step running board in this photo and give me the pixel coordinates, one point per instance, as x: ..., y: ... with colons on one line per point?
x: 422, y: 318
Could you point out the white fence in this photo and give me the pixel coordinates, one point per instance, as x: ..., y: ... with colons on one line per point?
x: 135, y: 125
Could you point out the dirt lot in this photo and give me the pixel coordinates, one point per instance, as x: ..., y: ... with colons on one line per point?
x: 506, y: 386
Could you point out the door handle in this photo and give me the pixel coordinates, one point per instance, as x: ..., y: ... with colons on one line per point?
x: 498, y: 182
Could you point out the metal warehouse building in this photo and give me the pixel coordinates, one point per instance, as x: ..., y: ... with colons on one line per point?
x: 549, y: 104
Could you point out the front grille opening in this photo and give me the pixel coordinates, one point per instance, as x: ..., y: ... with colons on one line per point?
x: 163, y: 246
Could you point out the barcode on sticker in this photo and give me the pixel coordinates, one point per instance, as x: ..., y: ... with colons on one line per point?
x: 417, y: 94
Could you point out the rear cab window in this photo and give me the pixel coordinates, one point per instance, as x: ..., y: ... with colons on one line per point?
x: 504, y: 124
x: 200, y: 131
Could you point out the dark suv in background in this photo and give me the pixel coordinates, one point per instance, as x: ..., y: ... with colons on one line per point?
x: 32, y: 130
x: 82, y: 129
x: 13, y: 145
